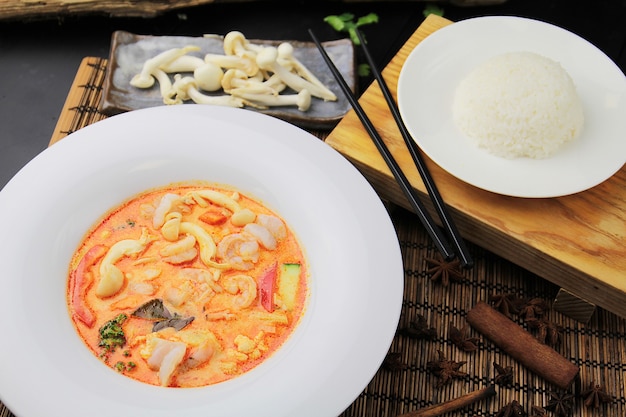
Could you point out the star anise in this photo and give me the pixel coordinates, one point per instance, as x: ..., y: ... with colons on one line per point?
x: 512, y: 409
x: 548, y: 332
x: 595, y: 396
x: 533, y: 308
x: 445, y: 370
x: 419, y: 329
x: 462, y: 340
x: 445, y: 271
x: 507, y: 304
x: 393, y: 362
x: 504, y: 375
x: 536, y: 411
x: 561, y: 404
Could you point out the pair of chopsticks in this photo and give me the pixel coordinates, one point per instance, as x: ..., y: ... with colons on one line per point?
x: 441, y: 240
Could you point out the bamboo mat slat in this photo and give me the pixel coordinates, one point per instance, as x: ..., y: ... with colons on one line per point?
x: 597, y: 347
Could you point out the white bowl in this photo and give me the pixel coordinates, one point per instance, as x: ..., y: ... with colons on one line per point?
x: 356, y: 274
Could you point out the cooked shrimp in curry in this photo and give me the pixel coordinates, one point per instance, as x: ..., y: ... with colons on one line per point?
x: 187, y: 285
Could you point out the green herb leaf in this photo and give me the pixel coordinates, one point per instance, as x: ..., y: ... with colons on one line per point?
x: 346, y: 17
x: 335, y: 22
x: 363, y: 70
x: 152, y: 310
x: 122, y: 366
x: 112, y: 334
x: 345, y: 23
x: 432, y: 9
x: 156, y: 311
x: 353, y: 36
x: 367, y: 19
x: 177, y: 323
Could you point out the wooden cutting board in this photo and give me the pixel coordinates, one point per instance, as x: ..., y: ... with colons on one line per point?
x: 577, y: 242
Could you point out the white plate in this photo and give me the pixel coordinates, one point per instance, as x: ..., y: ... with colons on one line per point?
x: 356, y: 274
x: 434, y: 68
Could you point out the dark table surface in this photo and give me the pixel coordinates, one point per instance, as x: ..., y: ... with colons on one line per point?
x: 39, y: 57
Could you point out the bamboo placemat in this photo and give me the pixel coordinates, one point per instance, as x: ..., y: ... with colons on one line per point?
x: 404, y: 384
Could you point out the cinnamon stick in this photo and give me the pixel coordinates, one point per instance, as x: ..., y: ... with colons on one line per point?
x: 455, y: 404
x: 522, y: 345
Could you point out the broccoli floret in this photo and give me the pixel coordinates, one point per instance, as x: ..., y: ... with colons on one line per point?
x: 112, y: 334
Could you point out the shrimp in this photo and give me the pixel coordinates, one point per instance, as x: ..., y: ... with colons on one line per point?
x: 243, y: 287
x: 268, y: 230
x: 165, y: 357
x: 273, y: 224
x: 265, y: 238
x: 181, y: 251
x: 239, y: 250
x: 165, y: 205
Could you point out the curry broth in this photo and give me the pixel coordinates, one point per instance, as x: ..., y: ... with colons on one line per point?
x: 218, y: 294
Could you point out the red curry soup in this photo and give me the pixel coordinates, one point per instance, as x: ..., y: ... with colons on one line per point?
x: 187, y: 285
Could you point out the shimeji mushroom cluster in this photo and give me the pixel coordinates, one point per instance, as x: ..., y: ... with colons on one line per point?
x: 247, y: 75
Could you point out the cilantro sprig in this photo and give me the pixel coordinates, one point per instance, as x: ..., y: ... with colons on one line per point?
x: 345, y: 23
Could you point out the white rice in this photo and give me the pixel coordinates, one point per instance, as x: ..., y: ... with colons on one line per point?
x: 518, y: 104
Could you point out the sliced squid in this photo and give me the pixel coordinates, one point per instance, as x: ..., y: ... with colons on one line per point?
x: 205, y: 242
x: 171, y: 226
x: 218, y: 198
x: 111, y: 278
x: 239, y: 217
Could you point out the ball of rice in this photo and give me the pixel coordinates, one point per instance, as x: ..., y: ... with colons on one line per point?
x: 519, y: 104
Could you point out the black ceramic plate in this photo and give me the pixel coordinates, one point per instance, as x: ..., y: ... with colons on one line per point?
x: 129, y: 52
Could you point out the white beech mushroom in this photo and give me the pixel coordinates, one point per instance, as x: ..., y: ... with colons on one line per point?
x: 249, y: 66
x: 185, y: 63
x: 186, y: 88
x: 235, y: 43
x: 165, y: 86
x: 302, y: 100
x: 237, y: 80
x: 208, y: 76
x: 246, y: 73
x: 145, y: 79
x: 267, y: 60
x: 286, y: 57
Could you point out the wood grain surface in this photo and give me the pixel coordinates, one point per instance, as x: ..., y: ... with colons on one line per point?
x: 577, y: 242
x: 19, y: 9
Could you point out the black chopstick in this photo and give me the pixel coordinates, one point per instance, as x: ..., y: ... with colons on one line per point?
x: 431, y: 228
x: 440, y: 207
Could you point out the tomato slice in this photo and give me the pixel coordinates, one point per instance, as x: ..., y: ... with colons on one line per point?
x: 79, y: 282
x: 266, y: 287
